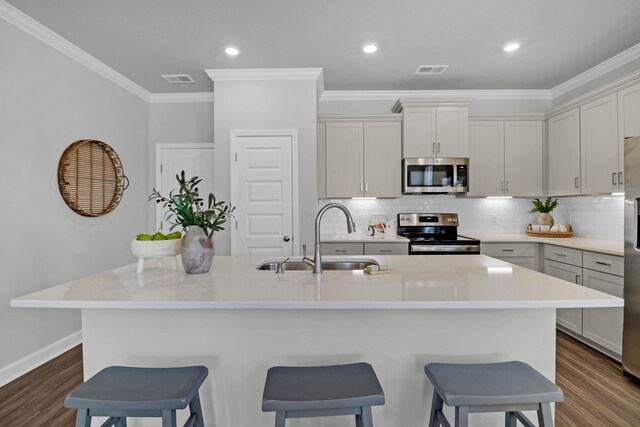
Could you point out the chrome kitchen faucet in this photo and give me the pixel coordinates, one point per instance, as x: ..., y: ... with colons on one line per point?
x: 351, y: 227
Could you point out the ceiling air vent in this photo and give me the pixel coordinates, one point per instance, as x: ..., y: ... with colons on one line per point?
x: 178, y: 78
x: 431, y: 70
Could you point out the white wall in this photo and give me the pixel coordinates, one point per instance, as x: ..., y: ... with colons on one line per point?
x: 600, y: 217
x: 244, y: 105
x: 48, y: 101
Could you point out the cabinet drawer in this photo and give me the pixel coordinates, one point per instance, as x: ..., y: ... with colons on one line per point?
x: 386, y: 248
x: 342, y: 249
x: 566, y: 255
x: 509, y: 250
x: 610, y: 264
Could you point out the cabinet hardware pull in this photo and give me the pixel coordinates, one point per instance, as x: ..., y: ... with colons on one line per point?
x: 433, y: 149
x: 501, y: 185
x: 577, y: 182
x: 577, y: 279
x: 361, y: 187
x: 620, y: 178
x: 507, y: 187
x: 559, y: 254
x: 341, y: 250
x: 385, y: 250
x: 366, y: 186
x: 507, y: 250
x: 603, y: 263
x: 613, y: 179
x: 438, y: 147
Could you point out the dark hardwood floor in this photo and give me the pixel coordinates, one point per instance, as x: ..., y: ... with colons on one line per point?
x: 36, y: 399
x: 596, y: 392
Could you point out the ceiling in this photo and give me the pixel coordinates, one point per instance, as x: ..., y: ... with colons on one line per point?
x: 143, y: 39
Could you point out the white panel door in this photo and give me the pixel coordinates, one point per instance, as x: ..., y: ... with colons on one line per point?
x: 523, y: 158
x: 599, y: 145
x: 193, y: 159
x: 262, y: 181
x: 452, y: 130
x: 564, y: 154
x: 382, y: 162
x: 486, y: 158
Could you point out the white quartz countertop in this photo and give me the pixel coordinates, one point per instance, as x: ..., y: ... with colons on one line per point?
x: 611, y: 247
x: 414, y: 282
x: 361, y: 238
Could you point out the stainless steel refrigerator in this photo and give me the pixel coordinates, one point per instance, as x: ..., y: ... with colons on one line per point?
x: 631, y: 331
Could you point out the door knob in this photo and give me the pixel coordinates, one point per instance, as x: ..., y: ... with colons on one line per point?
x: 286, y: 238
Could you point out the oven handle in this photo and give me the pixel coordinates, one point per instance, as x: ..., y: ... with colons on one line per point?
x: 445, y: 248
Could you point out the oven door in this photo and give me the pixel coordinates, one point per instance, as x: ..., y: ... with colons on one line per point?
x: 440, y: 175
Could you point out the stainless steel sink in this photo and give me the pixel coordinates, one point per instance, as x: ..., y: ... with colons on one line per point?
x: 329, y: 264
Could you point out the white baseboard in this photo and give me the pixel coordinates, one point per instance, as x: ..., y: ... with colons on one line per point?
x: 30, y: 362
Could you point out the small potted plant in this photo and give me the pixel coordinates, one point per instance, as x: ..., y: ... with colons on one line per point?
x: 199, y: 218
x: 545, y: 208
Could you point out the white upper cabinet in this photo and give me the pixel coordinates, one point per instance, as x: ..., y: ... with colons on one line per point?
x: 419, y: 129
x: 344, y: 161
x: 486, y: 158
x: 505, y: 158
x: 599, y: 145
x: 523, y: 158
x: 628, y: 123
x: 433, y: 130
x: 359, y: 158
x: 382, y: 162
x: 564, y: 154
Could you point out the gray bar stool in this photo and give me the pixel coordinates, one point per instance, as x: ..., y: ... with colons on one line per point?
x: 509, y: 387
x: 119, y: 392
x: 321, y: 391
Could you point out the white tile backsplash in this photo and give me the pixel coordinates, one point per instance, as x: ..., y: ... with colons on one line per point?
x: 600, y: 217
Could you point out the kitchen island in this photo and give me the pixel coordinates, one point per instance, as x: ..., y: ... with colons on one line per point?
x: 239, y: 321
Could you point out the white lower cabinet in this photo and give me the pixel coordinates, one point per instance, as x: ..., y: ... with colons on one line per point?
x: 373, y: 248
x: 521, y: 254
x: 570, y: 318
x: 342, y: 249
x: 603, y: 325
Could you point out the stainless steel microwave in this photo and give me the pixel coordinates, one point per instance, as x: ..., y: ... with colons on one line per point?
x: 435, y: 175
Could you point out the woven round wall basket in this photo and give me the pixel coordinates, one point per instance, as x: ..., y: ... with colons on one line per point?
x: 91, y: 178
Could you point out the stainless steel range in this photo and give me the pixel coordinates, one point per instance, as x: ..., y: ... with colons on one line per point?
x: 435, y: 234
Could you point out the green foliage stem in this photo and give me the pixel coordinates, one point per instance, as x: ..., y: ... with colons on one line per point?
x: 544, y: 207
x: 187, y: 208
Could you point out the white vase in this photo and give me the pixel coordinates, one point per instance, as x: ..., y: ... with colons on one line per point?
x: 545, y: 219
x: 196, y: 250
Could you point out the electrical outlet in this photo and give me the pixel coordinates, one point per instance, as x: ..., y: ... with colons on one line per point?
x: 494, y: 219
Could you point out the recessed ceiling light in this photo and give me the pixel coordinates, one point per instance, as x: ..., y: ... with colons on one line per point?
x: 231, y: 51
x: 370, y: 48
x: 511, y: 47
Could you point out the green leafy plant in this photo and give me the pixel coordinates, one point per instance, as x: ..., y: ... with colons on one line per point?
x: 186, y: 208
x: 544, y: 207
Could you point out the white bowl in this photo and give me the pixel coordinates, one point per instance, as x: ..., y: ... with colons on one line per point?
x: 155, y: 248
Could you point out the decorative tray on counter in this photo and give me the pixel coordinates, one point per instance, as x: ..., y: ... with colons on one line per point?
x: 530, y: 232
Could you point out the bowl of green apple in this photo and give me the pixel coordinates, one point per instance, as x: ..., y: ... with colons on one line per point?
x: 156, y: 245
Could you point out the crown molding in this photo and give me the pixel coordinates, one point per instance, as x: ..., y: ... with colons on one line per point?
x: 359, y: 117
x: 19, y: 19
x: 163, y: 98
x: 599, y: 70
x: 316, y: 74
x: 394, y: 95
x: 507, y: 116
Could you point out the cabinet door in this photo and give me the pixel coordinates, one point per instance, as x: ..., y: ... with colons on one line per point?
x: 628, y: 122
x: 486, y: 158
x: 452, y: 132
x: 522, y: 158
x: 344, y: 145
x: 386, y: 249
x: 604, y: 325
x: 564, y: 154
x: 322, y: 161
x: 419, y: 132
x: 599, y: 145
x: 382, y: 162
x: 342, y: 249
x: 570, y: 318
